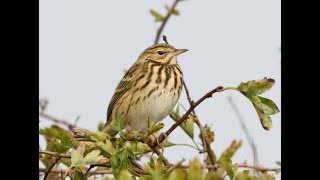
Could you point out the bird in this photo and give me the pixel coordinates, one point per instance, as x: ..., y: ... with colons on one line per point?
x: 148, y: 91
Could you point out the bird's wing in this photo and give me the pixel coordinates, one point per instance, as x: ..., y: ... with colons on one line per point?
x: 122, y: 88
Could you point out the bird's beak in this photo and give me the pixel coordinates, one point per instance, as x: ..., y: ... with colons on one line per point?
x: 179, y: 51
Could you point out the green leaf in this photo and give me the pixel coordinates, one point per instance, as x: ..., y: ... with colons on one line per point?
x: 125, y: 175
x: 155, y: 172
x: 244, y: 175
x: 187, y: 125
x: 225, y: 161
x: 256, y: 87
x: 79, y: 176
x: 76, y: 157
x: 118, y: 124
x: 114, y: 160
x: 107, y: 147
x: 151, y: 163
x: 66, y: 141
x: 178, y: 174
x: 55, y: 146
x: 175, y: 12
x: 93, y: 157
x: 53, y: 131
x: 263, y: 106
x: 278, y: 163
x: 214, y: 175
x: 65, y: 161
x: 101, y: 126
x: 195, y: 169
x: 124, y: 158
x: 157, y: 16
x: 154, y: 128
x: 229, y: 152
x: 268, y: 106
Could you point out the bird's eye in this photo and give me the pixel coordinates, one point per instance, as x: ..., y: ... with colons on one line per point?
x: 160, y: 52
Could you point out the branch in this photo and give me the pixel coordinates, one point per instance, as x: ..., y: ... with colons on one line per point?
x: 206, y: 145
x: 161, y: 138
x: 58, y: 121
x: 55, y: 154
x: 156, y: 150
x: 245, y: 130
x: 242, y: 165
x: 258, y: 168
x: 165, y: 20
x: 50, y: 168
x: 109, y: 171
x: 138, y: 170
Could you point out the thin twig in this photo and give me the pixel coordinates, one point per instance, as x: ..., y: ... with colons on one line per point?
x: 181, y: 144
x: 133, y: 162
x: 109, y: 171
x: 55, y: 154
x: 206, y: 145
x: 157, y: 151
x: 56, y: 120
x: 161, y: 138
x: 165, y: 20
x: 245, y: 130
x: 50, y: 168
x: 258, y: 168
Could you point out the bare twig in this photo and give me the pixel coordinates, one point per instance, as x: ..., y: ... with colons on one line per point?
x: 50, y: 168
x: 245, y: 130
x: 242, y: 165
x: 109, y: 171
x: 165, y: 20
x: 206, y: 145
x: 133, y: 162
x: 157, y: 151
x: 161, y: 138
x: 55, y: 154
x: 56, y: 120
x: 258, y: 168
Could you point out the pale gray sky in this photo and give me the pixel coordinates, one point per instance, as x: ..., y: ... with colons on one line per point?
x: 86, y: 45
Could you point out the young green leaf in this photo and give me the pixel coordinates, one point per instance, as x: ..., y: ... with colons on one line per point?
x: 101, y: 126
x: 195, y: 169
x: 178, y: 174
x: 124, y: 158
x: 125, y: 175
x: 79, y: 176
x: 107, y: 147
x: 118, y: 124
x: 157, y: 16
x: 187, y: 126
x: 225, y: 158
x: 93, y: 157
x: 213, y: 175
x: 66, y: 141
x: 76, y: 157
x: 55, y: 146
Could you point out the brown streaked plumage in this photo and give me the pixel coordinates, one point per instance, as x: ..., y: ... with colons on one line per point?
x: 149, y: 90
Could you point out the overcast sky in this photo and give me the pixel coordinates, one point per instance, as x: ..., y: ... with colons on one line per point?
x: 85, y: 46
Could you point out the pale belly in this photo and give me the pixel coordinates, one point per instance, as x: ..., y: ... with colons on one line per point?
x: 155, y: 108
